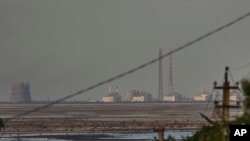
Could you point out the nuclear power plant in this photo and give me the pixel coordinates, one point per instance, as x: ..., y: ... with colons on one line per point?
x: 20, y: 92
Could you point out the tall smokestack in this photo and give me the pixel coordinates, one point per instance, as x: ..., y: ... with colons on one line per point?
x: 160, y: 96
x: 170, y: 75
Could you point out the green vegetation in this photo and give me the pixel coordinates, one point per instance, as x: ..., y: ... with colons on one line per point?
x: 208, y: 133
x: 245, y: 118
x: 170, y: 138
x: 216, y: 132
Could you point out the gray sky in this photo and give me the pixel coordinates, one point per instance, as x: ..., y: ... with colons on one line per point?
x: 62, y: 46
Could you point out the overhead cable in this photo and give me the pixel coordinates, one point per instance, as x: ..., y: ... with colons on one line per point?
x: 241, y: 67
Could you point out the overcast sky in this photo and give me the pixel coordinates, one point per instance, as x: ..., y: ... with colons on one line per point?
x: 62, y: 46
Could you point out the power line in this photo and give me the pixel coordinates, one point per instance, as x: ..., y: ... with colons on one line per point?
x: 248, y: 74
x: 231, y: 75
x: 241, y: 67
x: 137, y: 68
x: 209, y: 102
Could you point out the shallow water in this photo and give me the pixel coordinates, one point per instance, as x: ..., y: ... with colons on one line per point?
x: 96, y: 136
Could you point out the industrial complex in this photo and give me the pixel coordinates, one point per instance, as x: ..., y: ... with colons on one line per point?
x: 20, y: 91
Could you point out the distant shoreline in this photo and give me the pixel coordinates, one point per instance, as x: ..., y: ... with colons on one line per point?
x: 85, y: 102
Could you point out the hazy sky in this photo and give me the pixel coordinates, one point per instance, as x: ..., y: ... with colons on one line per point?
x: 62, y: 46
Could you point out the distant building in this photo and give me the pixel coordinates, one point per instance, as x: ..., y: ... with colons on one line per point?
x: 203, y: 96
x: 173, y: 97
x: 20, y: 92
x: 234, y: 95
x: 112, y: 96
x: 129, y: 95
x: 143, y: 98
x: 138, y: 96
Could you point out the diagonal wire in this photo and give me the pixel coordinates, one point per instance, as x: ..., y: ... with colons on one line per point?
x: 209, y: 102
x: 248, y: 74
x: 238, y: 94
x: 230, y: 73
x: 212, y: 110
x: 241, y: 67
x: 216, y: 98
x: 242, y: 94
x: 136, y: 68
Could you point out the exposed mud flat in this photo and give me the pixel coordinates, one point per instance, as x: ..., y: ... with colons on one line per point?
x: 102, y: 117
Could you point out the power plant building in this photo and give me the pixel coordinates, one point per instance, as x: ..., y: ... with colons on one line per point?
x: 112, y: 96
x: 234, y: 96
x: 115, y: 98
x: 142, y: 98
x: 20, y: 92
x: 138, y: 96
x: 203, y: 96
x: 173, y: 97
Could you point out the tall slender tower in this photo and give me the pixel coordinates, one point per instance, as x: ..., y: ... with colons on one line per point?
x: 160, y: 76
x: 170, y: 75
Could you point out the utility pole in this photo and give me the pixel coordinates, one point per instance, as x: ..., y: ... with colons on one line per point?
x: 160, y: 134
x: 225, y: 101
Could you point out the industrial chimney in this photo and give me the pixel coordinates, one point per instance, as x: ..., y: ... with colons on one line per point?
x: 20, y: 92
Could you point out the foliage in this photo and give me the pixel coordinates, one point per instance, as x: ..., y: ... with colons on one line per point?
x: 245, y: 117
x: 208, y: 133
x: 245, y: 83
x: 170, y: 138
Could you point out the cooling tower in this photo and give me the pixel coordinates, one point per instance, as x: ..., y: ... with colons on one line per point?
x: 20, y: 92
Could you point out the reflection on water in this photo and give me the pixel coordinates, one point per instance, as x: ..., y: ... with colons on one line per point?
x: 93, y: 136
x: 176, y: 135
x: 31, y: 139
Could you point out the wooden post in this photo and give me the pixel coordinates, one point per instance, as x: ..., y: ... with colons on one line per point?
x: 160, y: 132
x: 225, y: 106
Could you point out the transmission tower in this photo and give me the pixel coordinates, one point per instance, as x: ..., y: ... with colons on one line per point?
x: 170, y: 74
x: 160, y: 97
